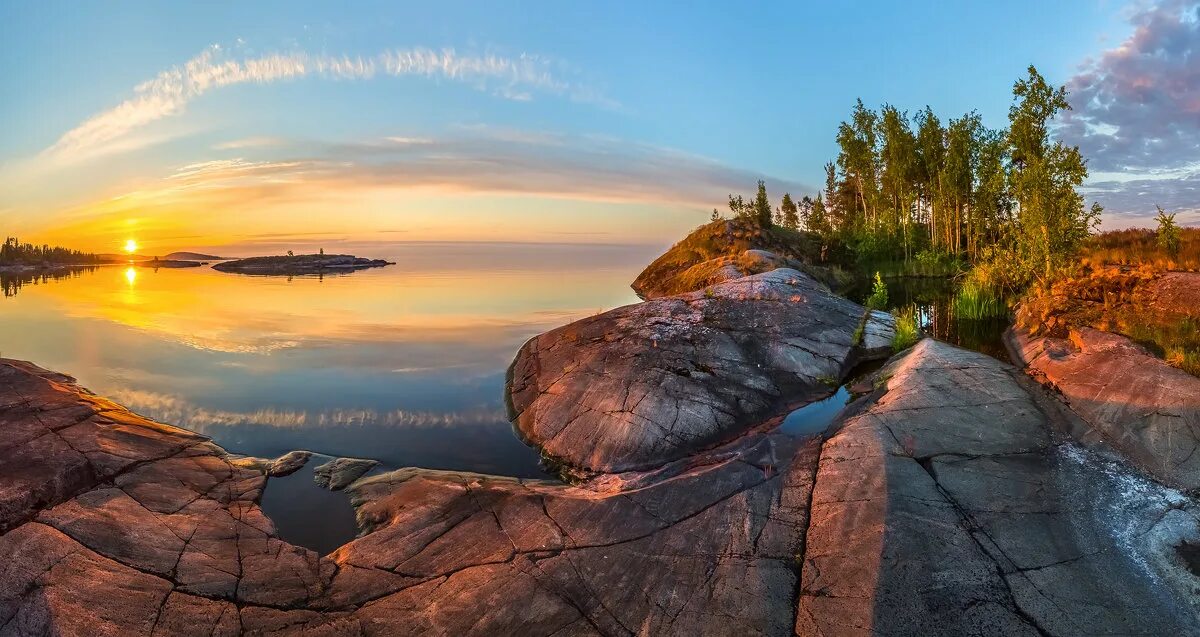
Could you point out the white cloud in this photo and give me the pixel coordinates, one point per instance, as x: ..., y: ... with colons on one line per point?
x: 170, y: 92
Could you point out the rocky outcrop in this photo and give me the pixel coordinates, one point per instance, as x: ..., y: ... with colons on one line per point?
x: 725, y: 250
x: 1172, y: 296
x: 168, y: 263
x: 337, y: 474
x: 648, y: 383
x: 954, y: 505
x: 1133, y: 400
x: 300, y: 264
x: 946, y: 502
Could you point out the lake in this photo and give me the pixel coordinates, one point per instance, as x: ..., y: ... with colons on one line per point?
x: 403, y: 364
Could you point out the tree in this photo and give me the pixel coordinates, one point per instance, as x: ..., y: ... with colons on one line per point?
x: 818, y: 219
x: 1168, y: 232
x: 789, y: 213
x: 857, y: 160
x: 716, y: 216
x: 760, y: 209
x: 1051, y: 215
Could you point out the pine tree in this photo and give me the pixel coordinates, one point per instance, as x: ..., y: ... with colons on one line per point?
x: 760, y: 209
x: 789, y: 214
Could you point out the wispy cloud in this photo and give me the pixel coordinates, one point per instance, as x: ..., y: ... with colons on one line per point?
x: 170, y: 91
x: 248, y: 142
x: 1137, y: 112
x: 483, y: 161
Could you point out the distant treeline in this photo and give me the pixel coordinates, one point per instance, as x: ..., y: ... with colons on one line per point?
x: 13, y: 252
x: 914, y: 188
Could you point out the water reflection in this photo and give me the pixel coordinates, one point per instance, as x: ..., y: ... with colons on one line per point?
x: 402, y: 364
x: 933, y: 299
x: 11, y: 282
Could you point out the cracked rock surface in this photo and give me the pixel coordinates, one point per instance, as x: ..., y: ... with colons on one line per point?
x: 950, y: 501
x: 953, y: 505
x: 653, y: 382
x: 1133, y: 400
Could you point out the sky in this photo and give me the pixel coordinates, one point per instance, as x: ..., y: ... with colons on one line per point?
x: 243, y: 127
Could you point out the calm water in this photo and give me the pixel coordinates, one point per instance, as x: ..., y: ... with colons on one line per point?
x: 403, y: 364
x: 934, y: 302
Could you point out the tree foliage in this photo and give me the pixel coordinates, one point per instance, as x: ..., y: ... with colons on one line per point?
x: 13, y: 252
x: 1168, y: 232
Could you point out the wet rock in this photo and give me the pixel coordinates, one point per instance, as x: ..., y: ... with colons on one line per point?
x: 337, y: 474
x: 648, y: 383
x: 1128, y: 397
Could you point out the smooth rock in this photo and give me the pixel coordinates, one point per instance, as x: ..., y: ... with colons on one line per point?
x: 1132, y: 400
x: 648, y: 383
x: 337, y: 474
x: 953, y: 505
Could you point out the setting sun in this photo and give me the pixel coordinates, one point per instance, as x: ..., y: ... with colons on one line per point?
x: 131, y: 246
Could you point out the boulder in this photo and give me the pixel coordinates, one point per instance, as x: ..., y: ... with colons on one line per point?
x: 1128, y: 397
x: 337, y: 474
x: 644, y: 384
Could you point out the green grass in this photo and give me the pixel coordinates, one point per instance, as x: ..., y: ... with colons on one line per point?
x: 977, y: 302
x: 879, y: 295
x: 1178, y: 343
x: 907, y: 332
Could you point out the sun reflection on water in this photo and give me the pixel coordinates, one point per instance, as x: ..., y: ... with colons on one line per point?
x: 130, y: 276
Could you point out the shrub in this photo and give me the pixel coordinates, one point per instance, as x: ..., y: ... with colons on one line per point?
x: 879, y: 295
x: 907, y: 331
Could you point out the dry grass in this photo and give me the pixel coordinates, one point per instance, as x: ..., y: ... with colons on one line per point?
x: 1139, y: 246
x: 1114, y: 299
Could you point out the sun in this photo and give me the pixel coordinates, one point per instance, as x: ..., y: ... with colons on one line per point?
x: 131, y: 246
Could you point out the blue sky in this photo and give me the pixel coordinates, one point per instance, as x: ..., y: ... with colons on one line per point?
x: 615, y: 122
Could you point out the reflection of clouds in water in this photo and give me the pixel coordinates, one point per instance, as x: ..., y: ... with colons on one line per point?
x: 177, y: 411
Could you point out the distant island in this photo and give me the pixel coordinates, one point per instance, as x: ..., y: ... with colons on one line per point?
x: 167, y: 263
x: 300, y: 264
x: 191, y: 256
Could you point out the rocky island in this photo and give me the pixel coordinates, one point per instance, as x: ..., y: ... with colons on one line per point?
x: 957, y: 495
x: 167, y: 263
x: 300, y: 264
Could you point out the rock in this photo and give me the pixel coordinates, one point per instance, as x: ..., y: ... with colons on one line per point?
x: 645, y: 384
x: 280, y: 467
x: 698, y: 549
x: 299, y: 265
x: 337, y: 474
x: 288, y: 463
x: 1173, y: 296
x: 1133, y: 400
x: 952, y: 505
x: 946, y: 502
x: 167, y: 263
x: 730, y: 249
